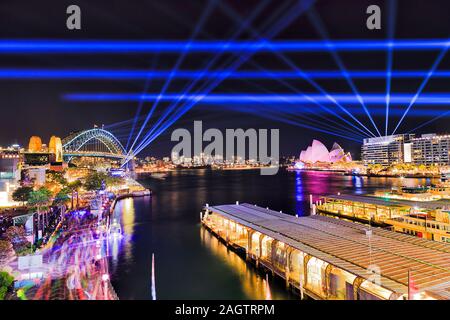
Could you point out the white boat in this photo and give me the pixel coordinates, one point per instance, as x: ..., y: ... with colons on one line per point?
x: 115, y: 229
x: 159, y: 175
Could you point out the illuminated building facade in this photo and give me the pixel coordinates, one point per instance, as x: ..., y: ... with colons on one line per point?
x: 9, y: 163
x: 427, y: 149
x: 387, y: 150
x: 431, y: 149
x: 9, y: 173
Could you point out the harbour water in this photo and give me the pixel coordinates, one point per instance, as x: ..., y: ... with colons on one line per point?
x: 189, y: 262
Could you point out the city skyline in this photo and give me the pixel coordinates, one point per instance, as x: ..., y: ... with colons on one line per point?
x: 212, y: 156
x: 47, y: 95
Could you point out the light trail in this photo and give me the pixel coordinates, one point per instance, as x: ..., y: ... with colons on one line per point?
x: 389, y: 74
x: 288, y: 117
x: 439, y: 116
x: 321, y: 106
x: 320, y: 28
x: 141, y: 103
x: 379, y: 98
x: 302, y: 74
x: 416, y: 97
x: 31, y: 46
x: 303, y: 111
x: 161, y: 120
x: 121, y: 75
x: 180, y: 59
x: 299, y: 8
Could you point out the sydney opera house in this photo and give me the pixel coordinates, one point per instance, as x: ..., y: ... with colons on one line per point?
x: 318, y: 153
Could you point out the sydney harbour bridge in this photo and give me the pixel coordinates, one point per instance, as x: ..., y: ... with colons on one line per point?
x: 96, y: 142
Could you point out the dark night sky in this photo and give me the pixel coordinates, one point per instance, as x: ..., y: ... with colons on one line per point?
x: 35, y: 107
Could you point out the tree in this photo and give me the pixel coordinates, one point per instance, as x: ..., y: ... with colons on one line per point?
x: 56, y: 177
x: 6, y: 253
x: 95, y: 181
x: 22, y: 194
x: 73, y: 187
x: 55, y: 180
x: 114, y: 181
x: 61, y: 198
x: 40, y: 200
x: 6, y: 280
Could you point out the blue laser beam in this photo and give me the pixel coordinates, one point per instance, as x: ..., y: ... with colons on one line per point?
x: 303, y: 125
x: 379, y: 98
x: 161, y: 120
x: 415, y: 98
x: 108, y: 75
x: 320, y: 28
x: 315, y: 118
x: 390, y: 34
x: 439, y: 116
x: 299, y: 8
x: 321, y: 106
x: 141, y: 104
x: 180, y: 59
x: 31, y: 46
x: 300, y: 72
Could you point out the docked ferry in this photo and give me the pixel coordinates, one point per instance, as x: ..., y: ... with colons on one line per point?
x: 115, y: 229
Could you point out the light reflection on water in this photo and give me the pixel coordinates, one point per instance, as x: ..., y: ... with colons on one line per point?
x: 253, y: 283
x: 192, y: 264
x: 298, y: 194
x: 124, y: 213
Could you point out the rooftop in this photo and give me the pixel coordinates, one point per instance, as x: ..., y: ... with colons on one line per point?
x: 346, y: 246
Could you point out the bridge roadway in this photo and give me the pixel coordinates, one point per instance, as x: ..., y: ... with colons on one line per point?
x: 72, y: 154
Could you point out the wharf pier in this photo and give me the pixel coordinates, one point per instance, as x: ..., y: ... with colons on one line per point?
x: 424, y: 219
x: 327, y: 258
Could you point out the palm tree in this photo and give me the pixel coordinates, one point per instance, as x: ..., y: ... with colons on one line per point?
x: 61, y: 199
x: 40, y: 199
x: 74, y: 186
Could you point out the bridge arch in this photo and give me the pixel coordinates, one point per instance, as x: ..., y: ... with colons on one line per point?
x: 73, y: 143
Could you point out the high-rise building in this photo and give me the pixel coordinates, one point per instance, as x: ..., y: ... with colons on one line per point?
x: 387, y: 150
x: 425, y: 149
x: 431, y: 149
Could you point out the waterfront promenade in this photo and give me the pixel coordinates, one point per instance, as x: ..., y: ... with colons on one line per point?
x: 75, y: 263
x: 75, y: 260
x: 327, y: 258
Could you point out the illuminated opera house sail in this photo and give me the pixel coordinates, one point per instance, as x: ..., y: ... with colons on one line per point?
x: 317, y: 152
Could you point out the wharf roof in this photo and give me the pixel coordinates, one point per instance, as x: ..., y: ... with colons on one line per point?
x: 380, y: 201
x: 345, y: 245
